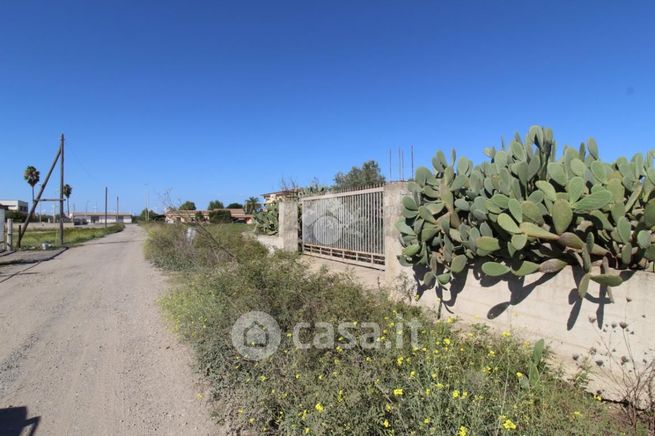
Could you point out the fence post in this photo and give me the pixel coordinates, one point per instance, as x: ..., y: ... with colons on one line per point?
x: 288, y: 227
x: 393, y: 211
x: 2, y: 229
x: 10, y: 234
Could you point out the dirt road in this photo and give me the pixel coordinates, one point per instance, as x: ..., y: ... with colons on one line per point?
x: 84, y: 348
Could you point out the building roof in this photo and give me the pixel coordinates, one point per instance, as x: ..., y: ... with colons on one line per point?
x: 100, y: 213
x: 283, y: 192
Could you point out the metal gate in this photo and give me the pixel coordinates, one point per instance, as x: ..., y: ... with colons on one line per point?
x: 346, y: 225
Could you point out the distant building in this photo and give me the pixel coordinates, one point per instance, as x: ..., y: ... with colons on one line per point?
x: 271, y: 197
x: 192, y: 216
x: 99, y: 217
x: 15, y: 205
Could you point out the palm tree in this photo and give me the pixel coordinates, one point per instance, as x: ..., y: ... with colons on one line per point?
x: 68, y: 190
x: 32, y: 177
x: 252, y: 205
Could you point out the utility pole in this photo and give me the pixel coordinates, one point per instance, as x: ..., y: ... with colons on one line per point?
x: 22, y: 229
x: 147, y: 205
x: 106, y: 192
x: 117, y: 203
x: 61, y: 193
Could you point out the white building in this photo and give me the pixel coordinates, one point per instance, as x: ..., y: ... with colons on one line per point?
x: 15, y: 205
x: 99, y: 217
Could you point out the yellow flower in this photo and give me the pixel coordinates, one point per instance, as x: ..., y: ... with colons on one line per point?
x: 398, y: 392
x: 388, y: 407
x: 455, y: 393
x: 439, y: 385
x: 297, y: 375
x: 320, y: 377
x: 506, y: 334
x: 426, y: 421
x: 577, y: 414
x: 427, y: 392
x: 598, y: 398
x: 451, y: 319
x: 306, y: 430
x: 492, y: 353
x: 509, y: 425
x: 463, y: 431
x: 319, y: 407
x: 446, y: 341
x: 412, y: 374
x: 465, y: 394
x: 400, y: 360
x: 289, y: 335
x: 519, y: 374
x: 385, y: 423
x: 262, y: 378
x: 339, y: 349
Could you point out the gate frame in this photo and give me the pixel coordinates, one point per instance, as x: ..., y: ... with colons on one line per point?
x: 354, y: 257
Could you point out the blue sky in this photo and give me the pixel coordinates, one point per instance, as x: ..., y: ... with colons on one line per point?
x: 212, y: 99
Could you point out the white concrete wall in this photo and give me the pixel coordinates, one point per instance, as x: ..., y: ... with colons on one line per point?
x: 545, y: 306
x: 271, y: 242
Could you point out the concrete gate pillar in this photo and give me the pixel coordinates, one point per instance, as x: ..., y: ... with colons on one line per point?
x: 288, y: 228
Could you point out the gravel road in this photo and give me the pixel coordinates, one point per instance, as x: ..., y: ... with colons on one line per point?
x: 84, y: 348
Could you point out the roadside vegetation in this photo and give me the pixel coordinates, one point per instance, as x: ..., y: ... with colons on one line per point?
x: 34, y: 238
x: 455, y: 381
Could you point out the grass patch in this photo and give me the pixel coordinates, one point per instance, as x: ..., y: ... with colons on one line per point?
x: 72, y: 236
x: 466, y: 382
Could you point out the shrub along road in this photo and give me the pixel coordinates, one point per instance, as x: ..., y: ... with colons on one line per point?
x: 84, y: 348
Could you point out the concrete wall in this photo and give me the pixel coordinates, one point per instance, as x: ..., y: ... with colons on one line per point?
x: 287, y: 237
x: 271, y: 242
x: 545, y: 306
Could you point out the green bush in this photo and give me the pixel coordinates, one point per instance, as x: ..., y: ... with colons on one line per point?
x: 525, y: 211
x: 220, y: 216
x: 168, y: 245
x: 456, y: 381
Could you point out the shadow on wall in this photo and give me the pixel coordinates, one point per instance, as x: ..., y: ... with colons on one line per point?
x: 519, y: 290
x: 13, y: 421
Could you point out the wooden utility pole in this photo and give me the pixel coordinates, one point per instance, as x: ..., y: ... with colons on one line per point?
x: 117, y: 204
x: 61, y: 192
x: 106, y: 192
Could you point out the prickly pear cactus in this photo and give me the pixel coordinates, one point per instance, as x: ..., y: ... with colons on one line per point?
x: 525, y: 211
x: 267, y: 221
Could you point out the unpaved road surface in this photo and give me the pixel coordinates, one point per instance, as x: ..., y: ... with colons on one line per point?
x: 84, y: 348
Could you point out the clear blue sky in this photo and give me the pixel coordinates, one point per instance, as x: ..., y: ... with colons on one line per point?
x: 212, y: 99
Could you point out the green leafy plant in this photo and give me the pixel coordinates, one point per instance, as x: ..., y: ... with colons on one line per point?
x: 524, y: 211
x: 267, y: 221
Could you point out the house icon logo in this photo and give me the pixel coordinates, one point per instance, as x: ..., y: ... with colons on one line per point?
x: 256, y: 335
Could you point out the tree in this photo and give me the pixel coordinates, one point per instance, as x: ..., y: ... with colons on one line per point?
x: 32, y: 177
x: 369, y: 174
x: 215, y: 204
x: 150, y: 215
x: 188, y: 205
x: 68, y: 190
x: 252, y: 205
x: 220, y: 216
x: 235, y: 206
